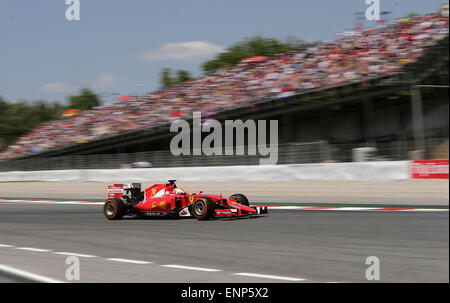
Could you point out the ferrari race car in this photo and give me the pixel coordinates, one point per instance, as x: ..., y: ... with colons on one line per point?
x: 172, y: 201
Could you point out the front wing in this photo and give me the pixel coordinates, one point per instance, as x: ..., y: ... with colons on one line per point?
x: 228, y: 212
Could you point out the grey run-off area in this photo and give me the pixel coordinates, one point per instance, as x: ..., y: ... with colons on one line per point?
x: 408, y: 192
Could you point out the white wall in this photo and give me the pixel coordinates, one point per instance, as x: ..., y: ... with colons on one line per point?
x: 351, y: 171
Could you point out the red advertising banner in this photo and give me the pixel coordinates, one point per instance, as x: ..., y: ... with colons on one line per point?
x: 429, y: 169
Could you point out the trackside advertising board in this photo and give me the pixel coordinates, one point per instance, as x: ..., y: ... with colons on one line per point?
x: 429, y: 169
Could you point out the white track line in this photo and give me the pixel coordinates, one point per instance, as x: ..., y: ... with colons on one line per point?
x: 74, y: 254
x: 191, y: 268
x: 246, y: 274
x: 38, y: 278
x: 128, y: 261
x: 285, y: 207
x: 6, y: 245
x: 33, y: 249
x: 75, y: 202
x: 372, y: 209
x: 50, y: 202
x: 427, y: 209
x: 282, y: 207
x: 354, y: 208
x: 26, y: 275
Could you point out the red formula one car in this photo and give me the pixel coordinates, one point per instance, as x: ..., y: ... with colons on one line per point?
x: 172, y: 201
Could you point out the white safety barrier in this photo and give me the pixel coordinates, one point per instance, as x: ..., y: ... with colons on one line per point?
x: 351, y: 171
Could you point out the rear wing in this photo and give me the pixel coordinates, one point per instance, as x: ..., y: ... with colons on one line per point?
x: 115, y: 191
x: 118, y: 190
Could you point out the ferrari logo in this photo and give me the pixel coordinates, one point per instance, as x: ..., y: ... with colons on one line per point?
x: 191, y: 199
x: 154, y: 205
x: 153, y: 191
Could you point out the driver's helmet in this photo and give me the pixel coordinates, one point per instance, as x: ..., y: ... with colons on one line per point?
x: 178, y: 190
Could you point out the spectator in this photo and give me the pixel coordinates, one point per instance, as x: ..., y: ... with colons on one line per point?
x: 352, y: 57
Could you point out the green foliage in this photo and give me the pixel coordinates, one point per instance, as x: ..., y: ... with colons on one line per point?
x: 256, y: 46
x: 20, y: 118
x: 167, y: 80
x: 412, y: 15
x: 84, y: 101
x: 182, y: 76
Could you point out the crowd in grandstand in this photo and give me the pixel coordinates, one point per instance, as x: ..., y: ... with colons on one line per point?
x: 354, y: 56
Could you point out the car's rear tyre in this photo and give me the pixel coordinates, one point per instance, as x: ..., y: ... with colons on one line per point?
x: 114, y: 209
x: 240, y: 198
x: 203, y: 208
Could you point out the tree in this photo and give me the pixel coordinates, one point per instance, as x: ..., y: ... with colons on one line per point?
x: 85, y: 100
x: 21, y: 117
x: 3, y: 105
x: 412, y: 15
x: 183, y: 76
x: 167, y: 80
x: 256, y: 46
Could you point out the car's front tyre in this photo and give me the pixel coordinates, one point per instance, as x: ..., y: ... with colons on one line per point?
x: 240, y: 198
x: 203, y: 208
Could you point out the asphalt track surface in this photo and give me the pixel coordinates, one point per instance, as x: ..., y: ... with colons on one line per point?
x: 285, y: 246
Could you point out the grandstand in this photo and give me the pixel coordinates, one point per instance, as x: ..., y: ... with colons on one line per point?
x: 334, y: 89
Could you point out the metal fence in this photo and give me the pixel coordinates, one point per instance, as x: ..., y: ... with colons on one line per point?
x: 387, y: 151
x: 291, y: 153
